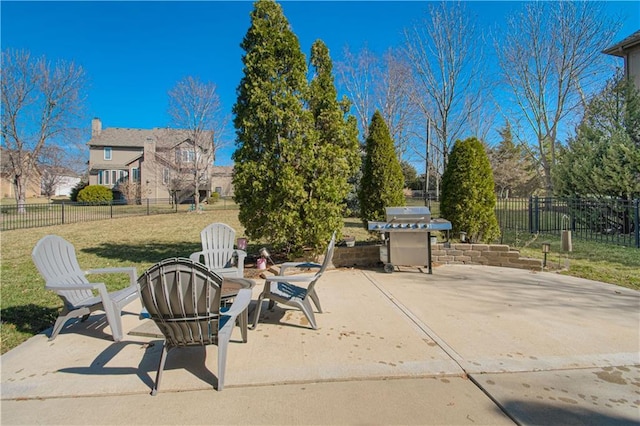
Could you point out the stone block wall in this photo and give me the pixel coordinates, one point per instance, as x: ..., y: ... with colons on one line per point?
x: 482, y: 254
x: 470, y: 254
x: 359, y: 255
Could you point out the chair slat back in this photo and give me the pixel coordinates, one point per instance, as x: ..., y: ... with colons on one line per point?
x: 55, y: 259
x: 328, y: 255
x: 218, y: 241
x: 183, y: 298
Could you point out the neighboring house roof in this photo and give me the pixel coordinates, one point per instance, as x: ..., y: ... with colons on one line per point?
x: 136, y: 138
x: 6, y: 168
x: 620, y: 48
x: 59, y: 170
x: 223, y: 170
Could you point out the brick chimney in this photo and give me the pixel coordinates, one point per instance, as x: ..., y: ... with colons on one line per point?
x: 96, y: 127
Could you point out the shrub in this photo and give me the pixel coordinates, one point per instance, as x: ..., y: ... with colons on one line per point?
x: 95, y: 194
x: 73, y: 196
x: 382, y: 179
x: 214, y: 198
x: 468, y: 197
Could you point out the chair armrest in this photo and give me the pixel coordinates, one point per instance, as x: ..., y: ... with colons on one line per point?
x: 306, y: 278
x: 66, y: 286
x: 299, y: 265
x: 133, y: 275
x: 195, y: 256
x: 240, y: 303
x: 241, y: 254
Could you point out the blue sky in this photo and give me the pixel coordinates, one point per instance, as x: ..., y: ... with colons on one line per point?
x: 133, y: 53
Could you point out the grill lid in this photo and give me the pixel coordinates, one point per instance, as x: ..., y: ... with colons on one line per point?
x: 408, y: 214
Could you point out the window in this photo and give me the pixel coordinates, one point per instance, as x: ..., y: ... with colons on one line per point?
x: 114, y: 175
x: 165, y: 176
x: 107, y: 153
x: 185, y: 156
x: 105, y: 177
x: 135, y: 172
x: 100, y: 177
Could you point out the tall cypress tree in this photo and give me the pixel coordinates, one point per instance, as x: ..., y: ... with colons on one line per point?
x: 382, y: 179
x: 274, y: 140
x: 336, y: 157
x: 468, y: 197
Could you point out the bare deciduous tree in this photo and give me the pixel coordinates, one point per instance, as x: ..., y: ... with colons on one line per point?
x: 196, y: 112
x: 357, y: 73
x: 445, y: 51
x: 550, y: 55
x: 383, y: 84
x: 40, y: 103
x: 52, y: 169
x: 393, y: 93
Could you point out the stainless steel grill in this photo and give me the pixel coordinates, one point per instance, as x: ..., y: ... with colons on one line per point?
x: 407, y: 236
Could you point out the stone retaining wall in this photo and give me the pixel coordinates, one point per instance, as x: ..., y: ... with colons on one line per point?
x: 364, y: 255
x: 470, y: 254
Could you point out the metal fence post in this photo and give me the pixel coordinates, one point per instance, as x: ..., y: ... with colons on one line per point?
x: 636, y: 227
x: 148, y: 207
x: 62, y: 212
x: 534, y: 215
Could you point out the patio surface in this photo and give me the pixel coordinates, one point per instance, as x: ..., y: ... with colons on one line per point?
x: 466, y: 345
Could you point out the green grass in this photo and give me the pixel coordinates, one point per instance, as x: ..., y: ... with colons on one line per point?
x: 27, y: 308
x: 592, y: 260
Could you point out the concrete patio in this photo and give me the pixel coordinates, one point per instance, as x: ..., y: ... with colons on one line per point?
x: 466, y: 345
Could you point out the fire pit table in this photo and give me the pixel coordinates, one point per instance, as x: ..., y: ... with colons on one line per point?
x: 407, y: 236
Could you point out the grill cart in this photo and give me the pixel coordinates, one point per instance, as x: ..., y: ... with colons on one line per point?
x: 407, y: 236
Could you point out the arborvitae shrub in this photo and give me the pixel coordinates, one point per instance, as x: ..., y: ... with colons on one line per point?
x: 382, y: 179
x: 468, y: 196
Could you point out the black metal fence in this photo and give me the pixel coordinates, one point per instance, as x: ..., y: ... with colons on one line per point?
x: 34, y: 215
x: 611, y: 221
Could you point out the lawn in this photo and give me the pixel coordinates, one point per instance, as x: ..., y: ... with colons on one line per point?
x: 27, y: 308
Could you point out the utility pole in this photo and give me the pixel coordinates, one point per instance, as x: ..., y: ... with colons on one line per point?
x: 427, y: 199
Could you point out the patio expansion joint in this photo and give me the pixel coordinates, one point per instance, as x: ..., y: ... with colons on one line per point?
x: 455, y: 356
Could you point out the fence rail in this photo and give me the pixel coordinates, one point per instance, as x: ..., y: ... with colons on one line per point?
x: 47, y: 214
x: 611, y: 221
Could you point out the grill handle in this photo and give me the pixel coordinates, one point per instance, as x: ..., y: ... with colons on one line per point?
x: 418, y: 219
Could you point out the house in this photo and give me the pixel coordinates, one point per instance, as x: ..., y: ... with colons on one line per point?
x: 629, y: 49
x: 153, y: 163
x: 58, y: 181
x: 222, y: 180
x: 7, y: 187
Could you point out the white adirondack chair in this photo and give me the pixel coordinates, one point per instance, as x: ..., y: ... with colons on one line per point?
x: 218, y: 252
x: 56, y: 261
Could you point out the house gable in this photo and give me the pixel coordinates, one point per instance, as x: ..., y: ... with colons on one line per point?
x: 629, y: 50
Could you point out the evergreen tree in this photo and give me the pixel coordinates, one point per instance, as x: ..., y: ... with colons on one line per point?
x: 335, y: 158
x: 410, y: 176
x: 468, y: 197
x: 603, y: 160
x: 513, y: 172
x: 274, y: 133
x: 382, y: 179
